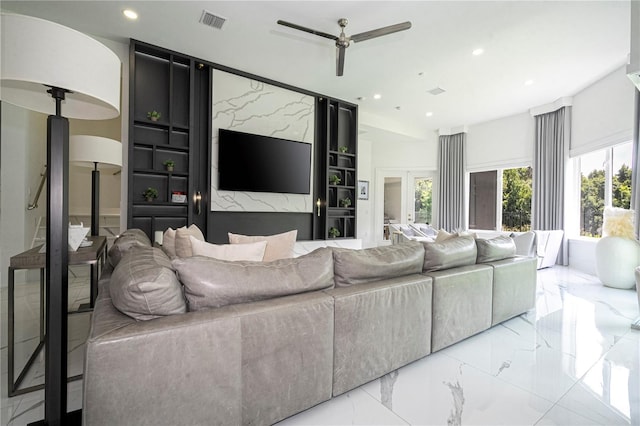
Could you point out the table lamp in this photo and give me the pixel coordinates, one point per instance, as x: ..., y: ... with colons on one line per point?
x: 52, y: 69
x: 89, y: 151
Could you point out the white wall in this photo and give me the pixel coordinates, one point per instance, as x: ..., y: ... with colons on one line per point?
x: 23, y: 154
x: 364, y: 222
x: 602, y: 114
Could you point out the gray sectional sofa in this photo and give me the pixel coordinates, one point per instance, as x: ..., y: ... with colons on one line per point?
x: 345, y: 317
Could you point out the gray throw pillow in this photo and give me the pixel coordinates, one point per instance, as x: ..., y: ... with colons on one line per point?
x: 373, y: 264
x: 144, y: 286
x: 497, y: 248
x: 127, y: 240
x: 451, y: 253
x: 212, y: 283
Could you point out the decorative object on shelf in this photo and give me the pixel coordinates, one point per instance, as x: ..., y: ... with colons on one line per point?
x: 178, y: 197
x: 363, y: 190
x: 343, y: 149
x: 334, y: 180
x: 334, y: 232
x: 52, y: 69
x: 150, y: 193
x: 88, y: 151
x: 617, y: 252
x: 345, y: 202
x: 154, y: 115
x: 169, y: 164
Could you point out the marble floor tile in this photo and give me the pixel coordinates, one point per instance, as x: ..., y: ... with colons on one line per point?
x: 352, y: 408
x: 441, y: 390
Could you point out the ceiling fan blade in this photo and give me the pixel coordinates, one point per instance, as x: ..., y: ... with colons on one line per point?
x: 381, y: 31
x: 340, y: 51
x: 307, y: 30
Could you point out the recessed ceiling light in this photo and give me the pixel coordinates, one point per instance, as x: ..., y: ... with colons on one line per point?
x: 429, y: 114
x: 528, y: 82
x: 477, y: 52
x: 131, y: 14
x: 377, y: 96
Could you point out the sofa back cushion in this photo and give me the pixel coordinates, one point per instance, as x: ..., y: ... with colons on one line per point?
x: 279, y: 246
x: 144, y: 285
x: 212, y: 283
x: 451, y: 253
x: 373, y: 264
x: 125, y: 242
x: 493, y: 249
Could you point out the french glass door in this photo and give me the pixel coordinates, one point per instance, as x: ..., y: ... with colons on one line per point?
x: 402, y: 197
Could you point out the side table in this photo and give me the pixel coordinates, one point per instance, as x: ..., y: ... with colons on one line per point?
x: 94, y: 255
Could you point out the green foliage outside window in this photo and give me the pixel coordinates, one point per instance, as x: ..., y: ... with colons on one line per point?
x: 423, y: 200
x: 592, y: 198
x: 516, y: 199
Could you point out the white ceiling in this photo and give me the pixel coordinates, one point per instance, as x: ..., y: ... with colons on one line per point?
x: 561, y: 46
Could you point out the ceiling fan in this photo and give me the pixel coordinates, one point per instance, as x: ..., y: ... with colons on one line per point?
x: 343, y: 41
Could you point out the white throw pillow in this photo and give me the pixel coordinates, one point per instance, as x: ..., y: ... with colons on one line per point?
x: 183, y: 243
x: 232, y: 252
x: 169, y: 242
x: 279, y: 246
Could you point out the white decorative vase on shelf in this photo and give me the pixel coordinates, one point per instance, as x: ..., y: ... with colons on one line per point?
x: 616, y: 261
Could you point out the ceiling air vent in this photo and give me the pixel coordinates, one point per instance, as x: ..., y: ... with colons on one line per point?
x: 212, y: 20
x: 436, y: 91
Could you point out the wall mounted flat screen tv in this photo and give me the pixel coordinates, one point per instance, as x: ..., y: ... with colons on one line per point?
x: 254, y: 163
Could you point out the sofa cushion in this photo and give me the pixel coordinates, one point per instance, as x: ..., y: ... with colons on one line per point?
x: 212, y: 283
x: 498, y: 248
x: 279, y: 246
x: 232, y: 252
x: 360, y: 266
x: 169, y: 242
x: 456, y: 251
x: 125, y: 242
x: 144, y: 286
x: 183, y: 242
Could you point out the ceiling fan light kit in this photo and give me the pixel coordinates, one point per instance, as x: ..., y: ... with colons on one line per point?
x: 343, y: 41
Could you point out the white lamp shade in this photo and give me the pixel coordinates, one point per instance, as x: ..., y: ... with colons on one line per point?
x: 85, y: 150
x: 36, y: 52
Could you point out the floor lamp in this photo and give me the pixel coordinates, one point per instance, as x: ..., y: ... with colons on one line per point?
x: 52, y: 69
x: 89, y: 151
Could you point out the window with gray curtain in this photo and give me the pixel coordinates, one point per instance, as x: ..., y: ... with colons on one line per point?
x: 451, y: 206
x: 553, y: 137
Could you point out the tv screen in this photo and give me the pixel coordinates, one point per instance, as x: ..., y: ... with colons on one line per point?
x: 254, y: 163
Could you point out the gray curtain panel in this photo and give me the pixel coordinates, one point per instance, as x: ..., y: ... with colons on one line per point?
x: 635, y: 163
x: 451, y: 206
x: 553, y: 137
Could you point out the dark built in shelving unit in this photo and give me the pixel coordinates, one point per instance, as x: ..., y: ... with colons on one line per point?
x: 179, y: 87
x: 162, y: 81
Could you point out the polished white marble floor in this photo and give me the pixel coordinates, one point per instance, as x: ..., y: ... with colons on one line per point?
x: 572, y: 361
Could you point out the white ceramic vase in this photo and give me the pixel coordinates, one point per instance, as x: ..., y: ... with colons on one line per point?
x: 616, y: 261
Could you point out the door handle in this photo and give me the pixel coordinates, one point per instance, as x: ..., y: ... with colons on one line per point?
x: 198, y: 198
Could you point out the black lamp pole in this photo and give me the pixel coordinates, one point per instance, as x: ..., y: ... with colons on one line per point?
x: 95, y: 200
x: 57, y: 262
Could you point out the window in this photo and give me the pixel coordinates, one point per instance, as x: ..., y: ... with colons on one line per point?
x: 514, y: 187
x: 605, y: 180
x: 423, y: 200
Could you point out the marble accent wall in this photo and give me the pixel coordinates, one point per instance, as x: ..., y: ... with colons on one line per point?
x: 251, y: 106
